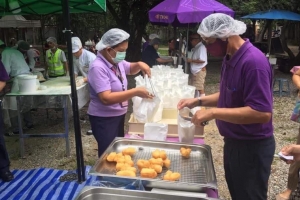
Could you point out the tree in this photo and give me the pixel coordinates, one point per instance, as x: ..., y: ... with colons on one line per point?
x: 132, y: 16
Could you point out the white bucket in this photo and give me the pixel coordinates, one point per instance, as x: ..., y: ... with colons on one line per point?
x: 27, y: 83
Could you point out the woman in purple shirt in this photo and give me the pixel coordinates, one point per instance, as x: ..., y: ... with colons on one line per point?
x: 244, y: 107
x: 108, y: 87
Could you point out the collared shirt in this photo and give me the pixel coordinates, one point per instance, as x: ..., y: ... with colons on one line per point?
x: 102, y: 78
x: 198, y: 53
x: 246, y: 80
x: 150, y: 55
x: 82, y: 63
x: 14, y: 62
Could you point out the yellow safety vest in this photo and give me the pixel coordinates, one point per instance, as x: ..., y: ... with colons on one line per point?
x: 55, y: 65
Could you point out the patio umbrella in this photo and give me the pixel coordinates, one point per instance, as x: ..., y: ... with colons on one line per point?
x: 43, y: 7
x: 178, y: 12
x: 273, y: 15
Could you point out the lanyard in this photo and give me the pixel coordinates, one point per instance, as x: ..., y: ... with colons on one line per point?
x: 117, y: 72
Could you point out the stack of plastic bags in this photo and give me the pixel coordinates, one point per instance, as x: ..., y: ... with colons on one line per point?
x: 168, y: 85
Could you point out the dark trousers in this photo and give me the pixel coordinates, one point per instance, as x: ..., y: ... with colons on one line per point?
x: 4, y: 160
x: 247, y: 165
x: 105, y: 129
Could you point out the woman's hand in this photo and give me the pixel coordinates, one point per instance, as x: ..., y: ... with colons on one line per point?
x: 291, y: 150
x: 143, y: 93
x: 145, y: 69
x: 190, y: 103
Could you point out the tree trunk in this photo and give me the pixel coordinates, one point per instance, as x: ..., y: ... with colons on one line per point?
x: 284, y: 42
x: 263, y: 31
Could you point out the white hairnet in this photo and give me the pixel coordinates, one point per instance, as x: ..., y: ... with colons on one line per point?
x: 111, y: 38
x: 220, y: 25
x: 152, y: 36
x: 52, y: 39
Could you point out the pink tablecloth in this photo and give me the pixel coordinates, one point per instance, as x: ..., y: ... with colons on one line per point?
x: 172, y: 139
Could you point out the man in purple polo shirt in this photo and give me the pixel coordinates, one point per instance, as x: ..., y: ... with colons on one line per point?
x: 243, y: 110
x: 5, y: 174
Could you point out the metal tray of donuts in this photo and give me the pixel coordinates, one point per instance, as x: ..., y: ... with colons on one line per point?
x: 197, y: 171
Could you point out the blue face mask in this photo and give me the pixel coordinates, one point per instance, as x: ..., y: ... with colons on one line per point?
x: 120, y: 56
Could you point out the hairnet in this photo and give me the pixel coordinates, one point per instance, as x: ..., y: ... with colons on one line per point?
x: 220, y: 25
x: 112, y: 38
x: 152, y: 36
x: 52, y: 39
x: 154, y: 41
x: 23, y: 45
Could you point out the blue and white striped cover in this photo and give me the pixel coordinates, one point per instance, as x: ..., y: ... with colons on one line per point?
x: 42, y: 184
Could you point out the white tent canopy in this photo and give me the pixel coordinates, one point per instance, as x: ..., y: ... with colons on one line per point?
x: 18, y: 21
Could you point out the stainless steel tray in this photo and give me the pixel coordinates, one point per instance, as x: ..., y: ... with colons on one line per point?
x: 197, y: 172
x: 98, y: 193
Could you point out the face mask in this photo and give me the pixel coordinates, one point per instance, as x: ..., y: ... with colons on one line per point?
x: 120, y: 56
x: 216, y: 49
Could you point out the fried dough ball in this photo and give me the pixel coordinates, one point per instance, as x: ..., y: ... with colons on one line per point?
x: 127, y: 157
x: 185, y: 152
x: 111, y: 157
x: 129, y: 151
x: 170, y: 176
x: 159, y: 154
x: 157, y: 168
x: 120, y: 165
x: 129, y: 162
x: 167, y: 163
x: 126, y: 173
x: 156, y: 161
x: 126, y: 168
x: 148, y: 173
x: 120, y: 159
x: 118, y: 156
x: 143, y: 164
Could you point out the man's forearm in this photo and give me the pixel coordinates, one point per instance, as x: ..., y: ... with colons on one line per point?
x: 243, y: 115
x: 2, y: 85
x: 210, y: 100
x: 296, y: 80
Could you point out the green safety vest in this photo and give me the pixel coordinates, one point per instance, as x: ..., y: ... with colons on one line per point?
x: 55, y: 66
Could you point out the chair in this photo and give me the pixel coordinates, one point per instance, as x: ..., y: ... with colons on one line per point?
x: 281, y: 91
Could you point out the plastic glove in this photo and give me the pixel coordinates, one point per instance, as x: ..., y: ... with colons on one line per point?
x: 79, y: 82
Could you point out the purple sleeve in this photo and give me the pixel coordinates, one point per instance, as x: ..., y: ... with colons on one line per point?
x: 99, y: 78
x: 3, y: 74
x: 257, y: 90
x: 126, y: 66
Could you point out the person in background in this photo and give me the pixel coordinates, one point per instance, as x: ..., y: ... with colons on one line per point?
x: 15, y: 64
x: 31, y: 56
x: 56, y: 62
x: 5, y: 174
x: 198, y: 64
x: 150, y: 55
x: 108, y: 87
x: 243, y: 109
x: 150, y: 38
x: 12, y: 42
x: 293, y: 177
x: 171, y: 45
x: 82, y: 59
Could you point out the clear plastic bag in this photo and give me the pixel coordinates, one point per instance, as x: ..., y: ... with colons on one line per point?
x: 155, y: 131
x: 119, y: 183
x: 186, y: 129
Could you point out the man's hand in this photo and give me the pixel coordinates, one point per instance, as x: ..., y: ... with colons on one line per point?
x: 202, y: 116
x: 79, y: 82
x: 190, y: 103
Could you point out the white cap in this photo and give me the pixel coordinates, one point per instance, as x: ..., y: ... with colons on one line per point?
x: 219, y: 25
x: 111, y: 38
x: 1, y: 42
x: 152, y: 36
x: 76, y: 44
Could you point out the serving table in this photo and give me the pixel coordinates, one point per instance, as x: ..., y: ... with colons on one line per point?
x: 56, y: 95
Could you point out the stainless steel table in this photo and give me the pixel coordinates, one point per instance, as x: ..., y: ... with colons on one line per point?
x: 52, y: 97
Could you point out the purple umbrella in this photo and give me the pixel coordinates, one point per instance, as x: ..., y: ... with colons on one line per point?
x: 178, y: 12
